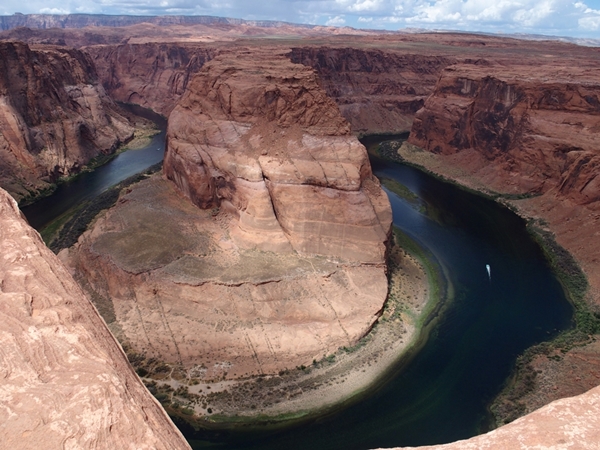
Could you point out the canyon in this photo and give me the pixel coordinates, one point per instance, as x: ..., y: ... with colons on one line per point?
x: 262, y: 131
x: 44, y: 138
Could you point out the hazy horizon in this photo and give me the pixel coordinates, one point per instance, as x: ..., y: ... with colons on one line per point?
x: 578, y: 19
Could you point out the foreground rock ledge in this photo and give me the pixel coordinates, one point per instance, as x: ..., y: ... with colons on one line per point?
x: 571, y: 423
x: 64, y: 380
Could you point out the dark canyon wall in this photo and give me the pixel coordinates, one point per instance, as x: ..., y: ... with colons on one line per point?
x: 523, y: 130
x: 153, y: 75
x: 54, y: 116
x: 376, y: 91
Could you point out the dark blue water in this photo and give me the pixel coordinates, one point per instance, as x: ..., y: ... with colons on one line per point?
x: 441, y: 394
x: 88, y: 185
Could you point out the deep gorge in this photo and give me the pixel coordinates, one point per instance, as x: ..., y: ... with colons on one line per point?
x: 479, y: 131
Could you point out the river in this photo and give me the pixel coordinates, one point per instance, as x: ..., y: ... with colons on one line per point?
x: 89, y: 184
x: 442, y: 393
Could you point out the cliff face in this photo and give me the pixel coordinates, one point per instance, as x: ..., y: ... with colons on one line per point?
x: 152, y: 75
x: 65, y: 381
x: 521, y: 129
x: 258, y: 136
x: 285, y: 261
x: 376, y: 91
x: 54, y: 116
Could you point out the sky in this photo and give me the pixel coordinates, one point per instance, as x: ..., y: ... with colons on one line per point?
x: 579, y: 18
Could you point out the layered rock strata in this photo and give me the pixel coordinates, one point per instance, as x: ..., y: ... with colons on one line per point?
x: 377, y: 91
x: 64, y: 380
x: 261, y: 139
x: 153, y: 75
x: 279, y: 257
x: 521, y: 130
x: 54, y: 116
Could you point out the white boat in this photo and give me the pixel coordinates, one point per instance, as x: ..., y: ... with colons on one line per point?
x: 487, y: 267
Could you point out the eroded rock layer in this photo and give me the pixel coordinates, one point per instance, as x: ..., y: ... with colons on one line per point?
x: 260, y: 138
x: 279, y: 257
x: 520, y: 130
x: 65, y: 382
x: 153, y: 75
x: 54, y: 116
x: 377, y: 91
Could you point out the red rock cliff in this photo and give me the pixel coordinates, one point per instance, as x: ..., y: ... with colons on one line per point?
x: 377, y: 91
x: 153, y: 75
x: 54, y: 116
x: 522, y: 129
x: 258, y: 135
x: 64, y: 380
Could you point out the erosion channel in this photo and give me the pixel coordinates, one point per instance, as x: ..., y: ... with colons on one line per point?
x: 439, y: 393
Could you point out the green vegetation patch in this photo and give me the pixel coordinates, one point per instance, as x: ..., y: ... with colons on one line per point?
x: 509, y: 404
x: 402, y: 191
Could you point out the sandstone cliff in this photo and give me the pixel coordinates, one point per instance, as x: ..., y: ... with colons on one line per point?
x: 153, y: 75
x: 285, y: 261
x: 64, y: 381
x: 522, y: 130
x: 377, y: 91
x: 54, y: 116
x: 263, y: 140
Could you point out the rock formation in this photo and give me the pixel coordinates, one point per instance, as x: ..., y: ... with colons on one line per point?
x: 264, y: 141
x: 521, y: 131
x: 377, y: 91
x: 54, y: 116
x: 65, y: 382
x: 285, y: 261
x: 153, y: 75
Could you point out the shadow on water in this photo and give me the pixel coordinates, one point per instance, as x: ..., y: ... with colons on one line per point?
x: 441, y: 395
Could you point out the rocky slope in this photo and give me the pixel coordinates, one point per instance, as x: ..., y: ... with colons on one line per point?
x: 54, y: 116
x: 377, y: 91
x: 283, y: 263
x: 521, y: 130
x: 153, y: 75
x: 64, y: 380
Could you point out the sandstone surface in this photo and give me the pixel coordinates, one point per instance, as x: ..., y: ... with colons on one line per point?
x: 279, y: 257
x: 54, y: 116
x: 153, y: 75
x: 64, y: 380
x: 520, y: 131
